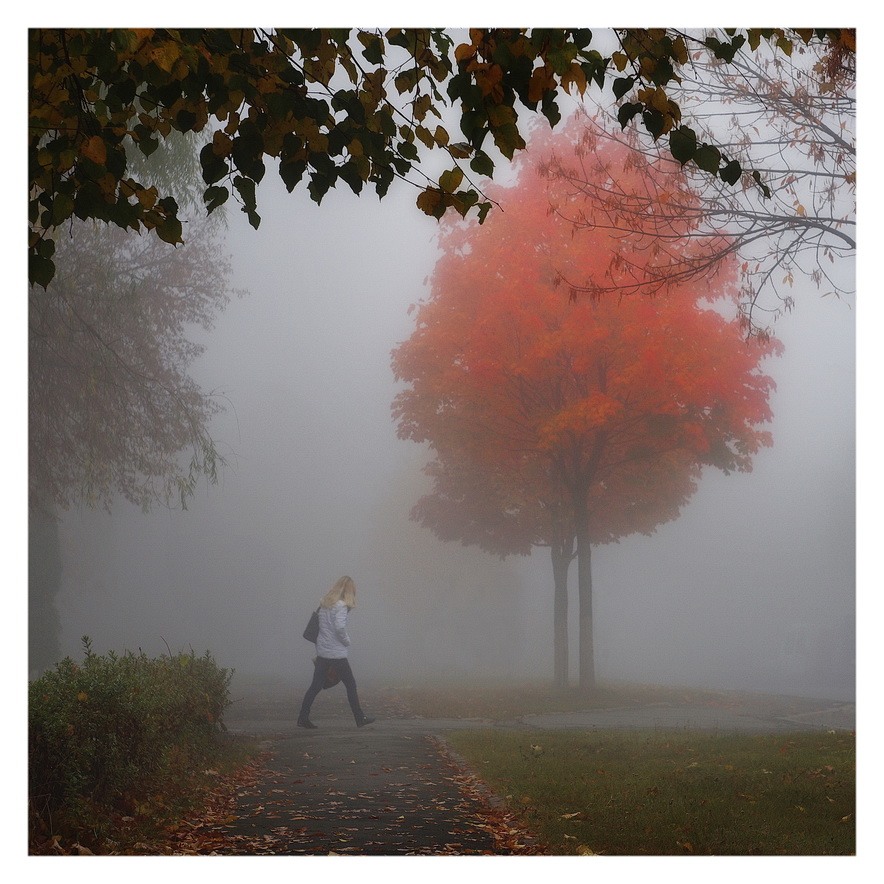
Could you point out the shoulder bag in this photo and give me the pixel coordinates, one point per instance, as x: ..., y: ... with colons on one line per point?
x: 311, y: 633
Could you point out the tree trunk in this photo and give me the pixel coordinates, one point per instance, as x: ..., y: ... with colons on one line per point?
x: 584, y: 594
x: 561, y: 562
x: 44, y: 578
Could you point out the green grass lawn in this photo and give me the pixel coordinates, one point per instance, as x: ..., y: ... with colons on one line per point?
x: 506, y: 701
x: 655, y: 793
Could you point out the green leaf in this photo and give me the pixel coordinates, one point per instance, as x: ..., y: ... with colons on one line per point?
x: 246, y: 189
x: 214, y: 168
x: 449, y: 181
x: 482, y: 164
x: 247, y: 150
x: 409, y: 151
x: 474, y: 125
x: 318, y: 186
x: 169, y: 230
x: 550, y: 109
x: 508, y: 140
x: 683, y: 143
x: 350, y: 173
x: 407, y: 80
x: 731, y: 172
x: 146, y: 143
x: 291, y: 172
x: 785, y: 44
x: 622, y: 85
x: 45, y: 248
x: 725, y: 51
x: 595, y: 68
x: 654, y: 122
x: 88, y: 203
x: 463, y: 201
x: 168, y: 205
x: 214, y: 197
x: 40, y: 270
x: 348, y: 101
x: 185, y: 120
x: 374, y: 47
x: 627, y: 111
x: 62, y: 209
x: 708, y: 158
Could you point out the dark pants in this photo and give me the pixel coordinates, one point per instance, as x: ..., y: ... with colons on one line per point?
x: 320, y: 669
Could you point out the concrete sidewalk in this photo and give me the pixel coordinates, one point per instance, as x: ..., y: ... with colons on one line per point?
x: 376, y: 791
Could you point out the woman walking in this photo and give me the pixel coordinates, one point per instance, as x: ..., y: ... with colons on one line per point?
x: 332, y: 646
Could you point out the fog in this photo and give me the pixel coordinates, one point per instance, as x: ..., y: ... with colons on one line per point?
x: 753, y: 587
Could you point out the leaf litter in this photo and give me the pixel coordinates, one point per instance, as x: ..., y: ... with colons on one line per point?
x: 432, y: 805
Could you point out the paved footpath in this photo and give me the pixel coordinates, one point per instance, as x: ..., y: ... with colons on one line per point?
x: 393, y: 788
x: 375, y: 791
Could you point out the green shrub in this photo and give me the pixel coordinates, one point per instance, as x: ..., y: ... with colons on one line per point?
x: 113, y: 733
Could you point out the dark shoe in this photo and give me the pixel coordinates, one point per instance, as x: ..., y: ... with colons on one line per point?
x: 305, y: 722
x: 364, y: 721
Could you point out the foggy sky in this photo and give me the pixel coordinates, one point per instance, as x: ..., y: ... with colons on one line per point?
x: 752, y: 588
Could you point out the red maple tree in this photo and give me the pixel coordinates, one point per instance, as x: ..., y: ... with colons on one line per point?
x: 570, y: 422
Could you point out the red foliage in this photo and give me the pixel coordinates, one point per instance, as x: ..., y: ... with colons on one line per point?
x: 551, y: 415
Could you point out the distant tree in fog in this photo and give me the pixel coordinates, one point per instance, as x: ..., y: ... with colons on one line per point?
x: 112, y: 410
x: 111, y: 404
x: 572, y: 422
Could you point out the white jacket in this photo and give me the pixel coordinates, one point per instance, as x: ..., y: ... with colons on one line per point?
x: 333, y: 640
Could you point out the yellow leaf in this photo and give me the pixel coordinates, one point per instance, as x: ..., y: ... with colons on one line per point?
x: 222, y: 144
x: 574, y: 75
x: 165, y: 55
x: 94, y: 149
x: 449, y: 181
x: 464, y: 51
x: 147, y: 198
x: 428, y: 201
x: 541, y: 80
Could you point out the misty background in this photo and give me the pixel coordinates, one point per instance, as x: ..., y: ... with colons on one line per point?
x: 753, y: 587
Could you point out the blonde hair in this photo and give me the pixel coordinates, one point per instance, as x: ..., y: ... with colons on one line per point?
x: 343, y: 591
